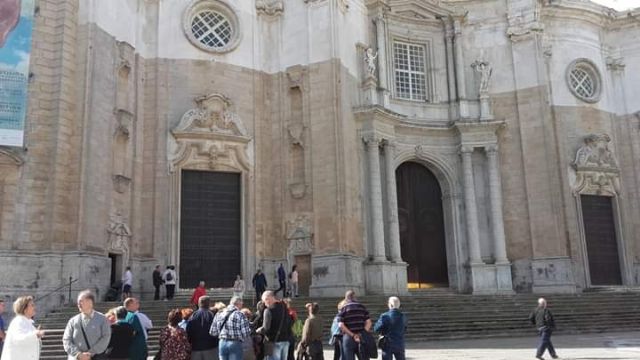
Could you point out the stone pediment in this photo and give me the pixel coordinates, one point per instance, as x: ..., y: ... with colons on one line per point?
x: 422, y: 9
x: 211, y: 116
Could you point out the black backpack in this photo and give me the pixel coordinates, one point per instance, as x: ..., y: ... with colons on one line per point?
x: 169, y: 276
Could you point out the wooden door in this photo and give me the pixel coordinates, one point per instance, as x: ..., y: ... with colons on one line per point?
x: 602, y: 244
x: 210, y: 236
x: 422, y: 237
x: 304, y: 273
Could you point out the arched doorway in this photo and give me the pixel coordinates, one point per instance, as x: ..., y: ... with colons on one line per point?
x: 422, y: 232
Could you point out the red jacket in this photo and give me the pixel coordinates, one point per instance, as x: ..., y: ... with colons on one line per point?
x: 199, y: 291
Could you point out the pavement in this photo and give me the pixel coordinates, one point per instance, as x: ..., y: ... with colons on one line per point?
x: 618, y: 346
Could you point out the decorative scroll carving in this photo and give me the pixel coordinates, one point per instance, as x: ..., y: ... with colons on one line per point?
x: 119, y: 236
x: 597, y: 171
x: 270, y: 7
x: 212, y: 114
x: 12, y: 156
x: 299, y: 233
x: 615, y: 64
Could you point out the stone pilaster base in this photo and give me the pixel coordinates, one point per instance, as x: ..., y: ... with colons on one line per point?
x: 490, y: 279
x: 553, y: 275
x: 386, y: 278
x: 333, y: 275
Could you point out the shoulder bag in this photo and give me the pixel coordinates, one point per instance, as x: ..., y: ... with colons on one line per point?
x: 103, y: 356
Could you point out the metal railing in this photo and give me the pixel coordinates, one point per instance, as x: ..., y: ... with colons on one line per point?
x: 66, y: 285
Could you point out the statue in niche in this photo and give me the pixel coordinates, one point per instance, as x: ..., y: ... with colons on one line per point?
x: 484, y: 70
x: 370, y: 61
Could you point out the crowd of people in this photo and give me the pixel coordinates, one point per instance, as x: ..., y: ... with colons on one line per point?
x: 227, y: 331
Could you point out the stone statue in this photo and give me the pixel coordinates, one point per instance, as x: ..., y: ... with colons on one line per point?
x: 370, y: 61
x: 484, y: 69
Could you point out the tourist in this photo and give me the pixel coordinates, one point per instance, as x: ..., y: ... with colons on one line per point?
x: 199, y: 291
x: 276, y: 327
x: 173, y: 341
x: 157, y: 282
x: 2, y: 327
x: 127, y: 282
x: 133, y: 305
x: 336, y: 334
x: 88, y: 333
x: 248, y: 349
x: 282, y: 280
x: 218, y: 306
x: 203, y: 345
x: 293, y: 280
x: 186, y: 316
x: 392, y: 325
x: 121, y: 335
x: 22, y: 341
x: 169, y: 278
x: 110, y: 315
x: 256, y: 323
x: 311, y: 341
x: 542, y: 318
x: 138, y: 349
x: 259, y: 284
x: 296, y: 328
x: 232, y: 328
x: 238, y: 287
x: 354, y: 321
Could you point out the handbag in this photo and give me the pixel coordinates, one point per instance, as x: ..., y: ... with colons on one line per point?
x: 383, y: 342
x: 103, y: 356
x: 270, y: 346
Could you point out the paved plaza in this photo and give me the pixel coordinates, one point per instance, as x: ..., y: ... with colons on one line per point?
x: 618, y: 346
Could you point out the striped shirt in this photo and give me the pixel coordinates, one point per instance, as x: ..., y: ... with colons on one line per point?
x: 354, y: 315
x: 237, y: 326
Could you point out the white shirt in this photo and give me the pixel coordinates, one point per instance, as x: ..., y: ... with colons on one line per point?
x: 238, y: 286
x: 145, y: 322
x: 21, y: 342
x: 294, y: 276
x: 127, y: 278
x: 172, y: 281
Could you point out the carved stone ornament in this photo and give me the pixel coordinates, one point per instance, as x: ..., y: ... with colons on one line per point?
x: 296, y: 133
x: 209, y: 136
x: 119, y: 236
x: 597, y: 171
x: 484, y: 69
x: 270, y: 7
x: 299, y: 233
x: 296, y: 75
x: 121, y: 183
x: 11, y: 156
x: 124, y: 122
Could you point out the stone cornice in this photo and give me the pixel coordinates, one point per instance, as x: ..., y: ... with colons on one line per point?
x: 590, y: 12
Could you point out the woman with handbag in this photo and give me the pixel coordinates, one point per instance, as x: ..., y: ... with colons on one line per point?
x: 311, y: 342
x: 392, y: 325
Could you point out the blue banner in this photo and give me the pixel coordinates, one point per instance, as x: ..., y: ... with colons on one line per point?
x: 16, y: 27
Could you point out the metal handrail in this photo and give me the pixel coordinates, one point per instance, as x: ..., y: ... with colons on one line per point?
x: 71, y: 281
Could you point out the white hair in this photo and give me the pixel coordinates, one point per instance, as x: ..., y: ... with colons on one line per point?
x: 235, y: 300
x: 394, y: 303
x: 542, y: 302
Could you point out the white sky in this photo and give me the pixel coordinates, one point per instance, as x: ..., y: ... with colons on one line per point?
x: 619, y: 4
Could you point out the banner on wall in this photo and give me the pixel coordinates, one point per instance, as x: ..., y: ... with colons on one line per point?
x: 16, y: 26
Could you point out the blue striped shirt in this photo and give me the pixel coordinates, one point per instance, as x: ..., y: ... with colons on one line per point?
x: 354, y: 315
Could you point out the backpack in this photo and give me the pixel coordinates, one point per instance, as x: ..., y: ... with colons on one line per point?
x: 169, y: 276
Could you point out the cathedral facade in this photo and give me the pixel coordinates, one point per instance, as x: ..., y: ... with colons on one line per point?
x: 488, y: 147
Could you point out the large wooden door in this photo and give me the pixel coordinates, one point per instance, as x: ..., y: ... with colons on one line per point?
x: 210, y: 221
x: 600, y: 235
x: 422, y: 237
x: 304, y: 273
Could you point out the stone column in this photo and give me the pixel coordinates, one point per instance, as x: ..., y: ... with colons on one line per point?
x: 382, y: 50
x: 392, y: 202
x: 460, y: 69
x: 375, y: 194
x: 451, y: 79
x: 495, y: 193
x: 470, y: 206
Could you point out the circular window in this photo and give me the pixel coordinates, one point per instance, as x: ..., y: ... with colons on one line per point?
x: 583, y: 79
x: 211, y: 26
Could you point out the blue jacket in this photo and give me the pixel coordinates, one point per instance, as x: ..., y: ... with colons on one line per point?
x: 393, y: 325
x: 282, y: 275
x: 335, y: 330
x: 198, y: 331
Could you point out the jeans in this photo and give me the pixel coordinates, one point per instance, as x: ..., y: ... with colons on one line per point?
x: 230, y: 350
x: 281, y: 351
x: 392, y: 351
x: 351, y: 349
x: 545, y: 343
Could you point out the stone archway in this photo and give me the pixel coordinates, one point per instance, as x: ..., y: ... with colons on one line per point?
x: 422, y: 229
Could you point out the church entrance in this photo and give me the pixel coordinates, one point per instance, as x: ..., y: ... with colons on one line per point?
x: 210, y: 228
x: 600, y: 236
x: 422, y: 236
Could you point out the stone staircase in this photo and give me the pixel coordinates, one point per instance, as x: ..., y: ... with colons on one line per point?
x: 433, y: 315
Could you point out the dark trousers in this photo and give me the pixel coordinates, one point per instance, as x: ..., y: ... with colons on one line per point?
x: 337, y: 347
x: 393, y: 351
x: 171, y: 289
x: 545, y: 343
x: 259, y: 292
x: 283, y: 287
x: 351, y: 349
x: 156, y: 294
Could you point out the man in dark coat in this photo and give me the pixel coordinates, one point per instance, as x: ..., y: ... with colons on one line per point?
x: 259, y: 284
x: 282, y: 280
x: 157, y: 282
x: 203, y: 345
x: 542, y: 318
